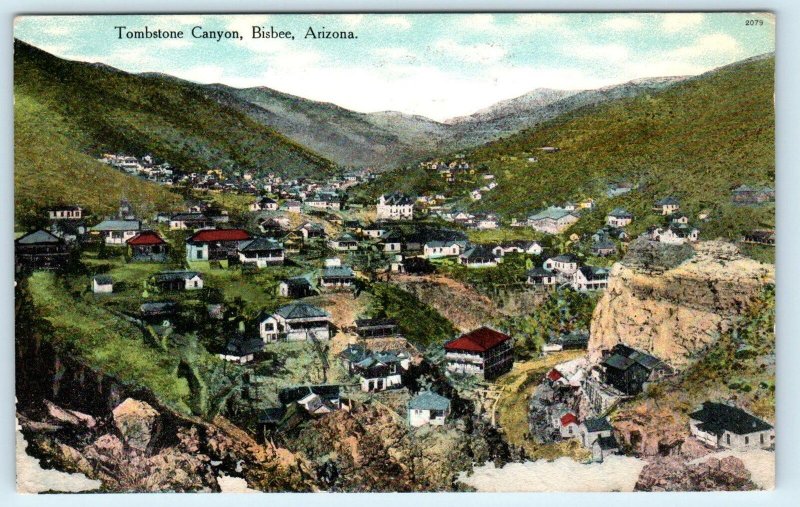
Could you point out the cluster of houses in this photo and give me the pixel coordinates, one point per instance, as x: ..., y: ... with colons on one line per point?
x: 565, y: 270
x: 677, y: 230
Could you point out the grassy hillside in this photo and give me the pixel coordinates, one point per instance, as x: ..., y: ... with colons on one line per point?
x: 696, y: 140
x: 98, y: 109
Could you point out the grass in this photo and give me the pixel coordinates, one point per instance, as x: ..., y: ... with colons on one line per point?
x: 512, y: 407
x: 420, y: 324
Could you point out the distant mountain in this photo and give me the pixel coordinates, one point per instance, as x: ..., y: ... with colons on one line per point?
x: 95, y: 108
x: 389, y: 139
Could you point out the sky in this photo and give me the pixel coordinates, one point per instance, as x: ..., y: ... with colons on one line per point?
x: 435, y: 65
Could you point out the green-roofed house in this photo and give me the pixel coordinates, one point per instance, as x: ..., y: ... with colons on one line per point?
x: 117, y: 232
x: 295, y: 322
x: 553, y: 220
x: 428, y: 407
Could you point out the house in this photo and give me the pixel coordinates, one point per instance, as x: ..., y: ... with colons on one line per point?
x: 540, y: 277
x: 189, y: 221
x: 391, y: 242
x: 477, y: 256
x: 314, y: 399
x: 428, y: 408
x: 721, y: 425
x: 158, y: 311
x: 148, y: 246
x: 486, y: 222
x: 760, y: 237
x: 564, y: 266
x: 71, y: 231
x: 590, y: 278
x: 745, y: 194
x: 117, y: 232
x: 375, y: 230
x: 261, y: 252
x: 102, y: 284
x: 295, y: 322
x: 395, y: 206
x: 666, y: 206
x: 436, y: 249
x: 337, y: 277
x: 552, y: 220
x: 628, y: 370
x: 215, y: 244
x: 568, y: 425
x: 297, y: 287
x: 377, y: 371
x: 311, y: 230
x: 619, y: 217
x: 597, y: 435
x: 241, y: 349
x: 575, y: 340
x: 325, y: 201
x: 177, y: 280
x: 344, y: 243
x: 292, y: 206
x: 65, y: 213
x: 375, y: 328
x: 475, y: 195
x: 674, y: 234
x: 40, y: 250
x: 483, y: 352
x: 679, y: 218
x: 608, y: 232
x: 604, y: 248
x: 274, y: 226
x: 264, y: 204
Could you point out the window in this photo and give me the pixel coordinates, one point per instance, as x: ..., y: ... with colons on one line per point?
x: 762, y: 438
x: 728, y: 439
x: 746, y: 440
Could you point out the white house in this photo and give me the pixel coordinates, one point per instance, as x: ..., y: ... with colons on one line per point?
x: 720, y: 425
x: 395, y: 206
x: 568, y: 426
x: 590, y: 278
x: 117, y: 232
x: 667, y: 206
x: 264, y: 204
x: 619, y: 217
x: 675, y: 234
x: 438, y: 249
x: 66, y: 213
x: 475, y: 195
x: 552, y: 220
x: 295, y: 322
x: 428, y: 407
x: 102, y: 284
x: 261, y: 252
x: 564, y: 266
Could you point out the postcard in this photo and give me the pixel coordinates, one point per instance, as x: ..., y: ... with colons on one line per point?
x: 395, y: 252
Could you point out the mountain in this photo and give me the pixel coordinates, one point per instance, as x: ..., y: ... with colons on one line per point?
x: 389, y: 139
x: 67, y: 113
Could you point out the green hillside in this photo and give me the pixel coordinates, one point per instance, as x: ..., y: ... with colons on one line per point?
x: 69, y: 112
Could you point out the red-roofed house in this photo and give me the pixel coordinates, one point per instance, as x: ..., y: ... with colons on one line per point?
x: 483, y: 352
x: 148, y: 246
x: 569, y: 426
x: 215, y: 244
x: 554, y: 375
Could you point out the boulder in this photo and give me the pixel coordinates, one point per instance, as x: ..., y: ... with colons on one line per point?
x: 137, y: 422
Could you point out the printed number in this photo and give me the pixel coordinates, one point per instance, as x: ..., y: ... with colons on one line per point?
x: 753, y: 22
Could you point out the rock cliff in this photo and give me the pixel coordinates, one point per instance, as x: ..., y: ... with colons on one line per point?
x: 677, y: 312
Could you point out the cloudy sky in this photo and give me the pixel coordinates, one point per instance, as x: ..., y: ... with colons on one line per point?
x: 438, y: 66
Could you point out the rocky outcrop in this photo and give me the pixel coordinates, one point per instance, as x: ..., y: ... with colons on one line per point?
x: 676, y: 313
x: 673, y: 474
x: 136, y: 421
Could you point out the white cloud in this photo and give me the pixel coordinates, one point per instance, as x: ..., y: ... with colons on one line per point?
x: 401, y: 22
x: 602, y: 52
x: 709, y: 46
x: 476, y: 53
x: 676, y: 22
x: 478, y: 22
x: 623, y: 24
x: 541, y: 20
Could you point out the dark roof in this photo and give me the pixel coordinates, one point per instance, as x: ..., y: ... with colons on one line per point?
x: 667, y: 200
x: 188, y: 217
x: 375, y: 322
x: 397, y: 199
x: 479, y: 340
x: 38, y: 237
x: 620, y: 213
x: 103, y: 279
x: 158, y: 308
x: 272, y: 415
x: 716, y: 418
x: 292, y: 394
x: 146, y: 238
x: 565, y: 258
x: 633, y: 356
x: 297, y: 281
x: 478, y: 252
x: 209, y: 235
x: 337, y: 272
x: 240, y: 346
x: 428, y: 400
x: 593, y: 273
x: 597, y: 424
x: 168, y: 276
x: 354, y: 353
x: 538, y: 272
x: 261, y: 244
x: 301, y: 311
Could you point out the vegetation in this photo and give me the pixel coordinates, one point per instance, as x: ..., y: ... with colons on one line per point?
x: 419, y: 323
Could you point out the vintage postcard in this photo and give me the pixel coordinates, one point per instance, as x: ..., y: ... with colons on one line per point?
x: 395, y: 252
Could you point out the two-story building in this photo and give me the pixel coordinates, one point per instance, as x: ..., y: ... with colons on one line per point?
x: 395, y: 206
x: 484, y: 352
x: 295, y: 322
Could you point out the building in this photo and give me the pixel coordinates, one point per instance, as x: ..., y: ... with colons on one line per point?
x: 603, y: 248
x: 189, y: 221
x: 522, y: 247
x: 376, y: 328
x: 40, y: 250
x: 619, y: 217
x: 337, y: 277
x: 295, y: 322
x: 395, y: 206
x: 628, y: 370
x: 483, y: 352
x: 720, y: 425
x: 261, y: 252
x: 429, y: 408
x: 102, y: 284
x: 597, y: 435
x: 314, y: 399
x: 148, y: 246
x: 293, y: 206
x: 590, y: 278
x: 564, y: 266
x: 65, y: 213
x: 325, y: 201
x: 568, y: 425
x: 760, y: 237
x: 377, y: 371
x: 478, y: 256
x: 117, y: 232
x: 552, y: 220
x: 436, y: 249
x: 667, y: 206
x: 391, y: 242
x: 241, y: 349
x: 675, y: 234
x: 344, y: 243
x: 540, y: 277
x: 745, y: 194
x: 297, y: 287
x: 575, y: 340
x: 215, y: 244
x: 177, y: 280
x: 264, y: 204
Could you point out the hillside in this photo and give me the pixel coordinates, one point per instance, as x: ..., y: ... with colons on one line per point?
x: 68, y: 113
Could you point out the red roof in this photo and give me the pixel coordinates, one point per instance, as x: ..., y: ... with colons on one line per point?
x: 480, y: 340
x: 209, y: 235
x: 554, y: 375
x: 146, y: 238
x: 568, y: 418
